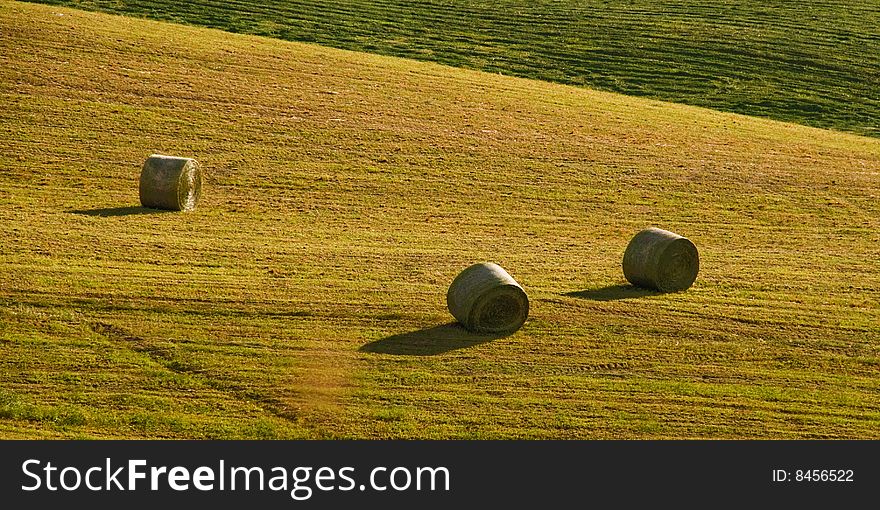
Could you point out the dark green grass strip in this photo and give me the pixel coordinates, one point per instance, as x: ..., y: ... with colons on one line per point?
x: 812, y: 62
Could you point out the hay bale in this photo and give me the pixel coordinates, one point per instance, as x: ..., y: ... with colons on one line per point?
x: 485, y: 299
x: 172, y: 183
x: 661, y: 260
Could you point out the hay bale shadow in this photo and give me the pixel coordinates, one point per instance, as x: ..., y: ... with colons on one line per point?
x: 613, y: 293
x: 429, y: 341
x: 105, y: 212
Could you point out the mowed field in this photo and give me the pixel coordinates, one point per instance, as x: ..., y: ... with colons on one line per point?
x: 812, y: 62
x: 305, y: 297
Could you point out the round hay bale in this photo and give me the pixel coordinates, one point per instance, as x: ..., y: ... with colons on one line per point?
x: 172, y: 183
x: 485, y: 299
x: 661, y: 260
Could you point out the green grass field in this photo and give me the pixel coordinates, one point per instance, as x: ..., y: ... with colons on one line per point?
x: 304, y: 298
x: 813, y: 62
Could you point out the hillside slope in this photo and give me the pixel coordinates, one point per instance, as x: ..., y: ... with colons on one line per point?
x: 305, y: 296
x: 813, y: 62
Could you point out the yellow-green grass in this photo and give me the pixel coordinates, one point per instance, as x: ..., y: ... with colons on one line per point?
x: 343, y: 193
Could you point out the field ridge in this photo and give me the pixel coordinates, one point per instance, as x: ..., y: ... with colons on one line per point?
x: 812, y: 62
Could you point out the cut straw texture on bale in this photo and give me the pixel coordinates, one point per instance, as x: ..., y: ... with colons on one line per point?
x: 169, y: 182
x: 484, y: 298
x: 661, y: 260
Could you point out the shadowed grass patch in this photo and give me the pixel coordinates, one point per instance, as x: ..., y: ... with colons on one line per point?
x: 430, y: 341
x: 105, y: 212
x: 613, y: 293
